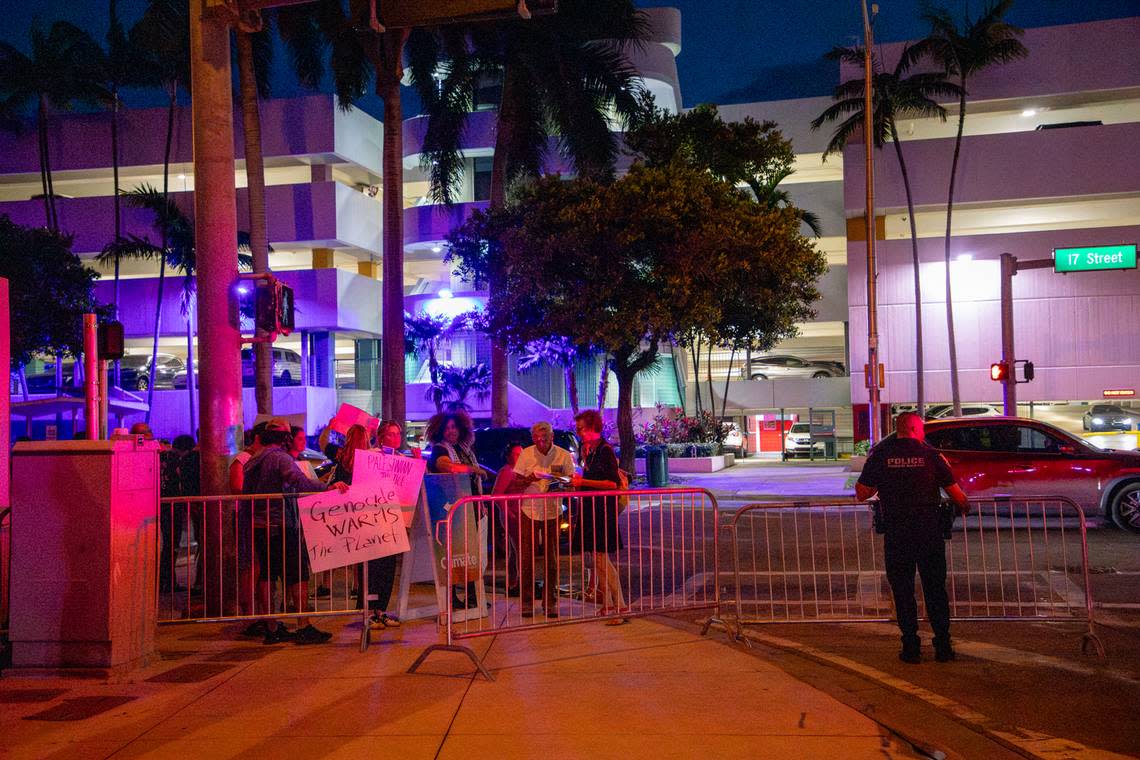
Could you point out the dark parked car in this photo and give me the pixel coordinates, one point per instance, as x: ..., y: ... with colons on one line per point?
x: 1106, y: 417
x: 44, y: 380
x: 1011, y: 456
x: 490, y: 443
x: 768, y: 367
x: 134, y: 371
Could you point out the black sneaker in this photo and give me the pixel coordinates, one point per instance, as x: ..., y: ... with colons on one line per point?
x: 945, y: 653
x: 390, y: 621
x: 310, y: 635
x: 257, y: 629
x: 911, y: 653
x: 278, y: 635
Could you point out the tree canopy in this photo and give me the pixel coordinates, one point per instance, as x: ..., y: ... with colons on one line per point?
x: 625, y: 265
x: 49, y: 291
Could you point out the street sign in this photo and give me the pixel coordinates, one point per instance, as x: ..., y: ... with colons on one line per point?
x: 1094, y: 258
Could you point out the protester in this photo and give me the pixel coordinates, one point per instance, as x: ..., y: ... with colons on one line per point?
x: 907, y: 474
x: 298, y: 443
x: 279, y: 545
x: 452, y: 438
x: 538, y: 521
x: 507, y: 483
x: 245, y: 556
x: 596, y: 530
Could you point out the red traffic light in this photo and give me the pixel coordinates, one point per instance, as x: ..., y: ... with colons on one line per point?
x: 999, y: 372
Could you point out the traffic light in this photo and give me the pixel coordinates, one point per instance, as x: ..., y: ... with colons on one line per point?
x: 110, y: 340
x: 1028, y: 371
x: 999, y: 372
x: 275, y: 308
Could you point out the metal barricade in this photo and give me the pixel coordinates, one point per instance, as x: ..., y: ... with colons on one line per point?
x: 5, y: 564
x: 573, y: 557
x: 225, y: 558
x: 822, y: 562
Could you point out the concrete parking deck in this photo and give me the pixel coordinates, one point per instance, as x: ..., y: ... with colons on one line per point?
x: 647, y: 689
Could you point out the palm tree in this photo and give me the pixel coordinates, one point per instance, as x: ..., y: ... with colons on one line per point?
x: 255, y: 55
x: 556, y: 352
x: 162, y: 41
x: 963, y: 52
x: 564, y: 76
x: 423, y: 335
x: 897, y: 94
x: 457, y: 383
x: 177, y: 252
x: 774, y: 197
x: 65, y: 67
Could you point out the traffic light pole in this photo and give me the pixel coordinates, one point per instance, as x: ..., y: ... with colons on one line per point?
x: 1010, y: 266
x: 874, y: 433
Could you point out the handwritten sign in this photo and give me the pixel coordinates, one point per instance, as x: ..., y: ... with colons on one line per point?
x: 345, y: 529
x: 397, y: 477
x: 349, y: 415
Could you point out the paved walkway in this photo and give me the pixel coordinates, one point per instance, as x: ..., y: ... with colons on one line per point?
x: 646, y: 689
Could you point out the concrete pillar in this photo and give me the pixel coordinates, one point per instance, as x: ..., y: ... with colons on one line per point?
x: 83, y: 557
x: 323, y: 258
x: 323, y: 361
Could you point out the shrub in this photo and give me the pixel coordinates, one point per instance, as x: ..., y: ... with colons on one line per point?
x: 862, y: 448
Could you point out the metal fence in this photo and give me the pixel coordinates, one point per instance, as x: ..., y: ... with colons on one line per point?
x: 242, y: 557
x: 575, y: 557
x: 816, y: 562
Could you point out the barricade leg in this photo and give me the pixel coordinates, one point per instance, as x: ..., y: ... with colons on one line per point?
x: 452, y: 648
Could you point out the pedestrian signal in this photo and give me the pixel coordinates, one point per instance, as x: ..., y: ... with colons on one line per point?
x: 999, y: 372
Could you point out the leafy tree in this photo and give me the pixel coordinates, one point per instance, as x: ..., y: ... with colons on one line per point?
x: 898, y: 93
x: 743, y: 153
x: 629, y: 264
x: 564, y: 76
x: 65, y: 67
x: 964, y: 51
x: 49, y: 292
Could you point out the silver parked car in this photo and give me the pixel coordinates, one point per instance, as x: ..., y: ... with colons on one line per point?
x: 286, y: 368
x: 768, y: 367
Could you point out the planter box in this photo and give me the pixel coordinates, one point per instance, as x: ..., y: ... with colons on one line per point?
x: 684, y: 465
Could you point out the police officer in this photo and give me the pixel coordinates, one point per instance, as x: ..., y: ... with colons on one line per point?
x: 906, y: 473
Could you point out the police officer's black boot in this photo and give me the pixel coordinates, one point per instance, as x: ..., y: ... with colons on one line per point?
x: 943, y: 652
x: 911, y: 651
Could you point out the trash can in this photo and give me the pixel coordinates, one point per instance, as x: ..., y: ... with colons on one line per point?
x: 656, y: 466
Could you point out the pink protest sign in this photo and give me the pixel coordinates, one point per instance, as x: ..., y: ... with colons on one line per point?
x: 397, y: 477
x: 349, y: 415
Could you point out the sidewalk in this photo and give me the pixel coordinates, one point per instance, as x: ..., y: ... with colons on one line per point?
x: 646, y: 689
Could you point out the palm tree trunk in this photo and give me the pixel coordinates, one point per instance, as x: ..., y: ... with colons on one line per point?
x: 172, y: 95
x: 394, y: 403
x: 433, y: 369
x: 920, y: 382
x: 709, y: 380
x: 190, y: 369
x: 116, y: 369
x: 255, y: 191
x: 727, y: 380
x: 603, y: 382
x: 695, y: 355
x: 571, y: 387
x: 955, y: 395
x: 500, y: 162
x: 45, y: 167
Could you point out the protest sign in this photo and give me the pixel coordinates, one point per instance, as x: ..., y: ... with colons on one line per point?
x: 349, y: 415
x: 345, y: 529
x: 397, y: 478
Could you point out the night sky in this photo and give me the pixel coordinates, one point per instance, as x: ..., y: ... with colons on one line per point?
x: 732, y: 50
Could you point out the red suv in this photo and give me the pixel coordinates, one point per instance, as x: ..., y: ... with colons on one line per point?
x: 1010, y: 456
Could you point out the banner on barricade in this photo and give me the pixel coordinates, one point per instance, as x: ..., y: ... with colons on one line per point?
x: 345, y: 529
x: 398, y: 478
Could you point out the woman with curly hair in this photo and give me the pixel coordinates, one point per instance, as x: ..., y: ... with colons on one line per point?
x: 452, y: 439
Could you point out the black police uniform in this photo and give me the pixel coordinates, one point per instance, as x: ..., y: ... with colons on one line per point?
x: 907, y: 474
